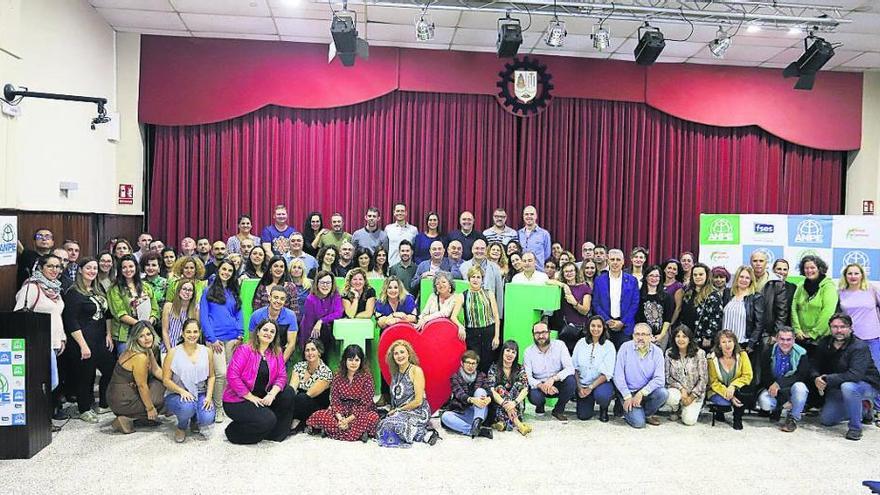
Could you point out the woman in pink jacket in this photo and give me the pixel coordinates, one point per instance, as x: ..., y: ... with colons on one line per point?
x: 257, y: 398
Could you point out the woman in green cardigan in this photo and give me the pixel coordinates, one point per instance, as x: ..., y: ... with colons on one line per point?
x: 814, y: 302
x: 130, y: 301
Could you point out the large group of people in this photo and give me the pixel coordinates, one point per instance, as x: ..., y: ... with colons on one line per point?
x: 164, y: 327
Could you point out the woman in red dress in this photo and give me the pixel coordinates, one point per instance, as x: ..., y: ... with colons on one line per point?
x: 351, y: 415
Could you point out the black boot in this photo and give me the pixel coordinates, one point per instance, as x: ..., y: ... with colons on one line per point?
x: 719, y: 416
x: 475, y: 427
x: 737, y: 418
x: 603, y: 414
x: 486, y: 433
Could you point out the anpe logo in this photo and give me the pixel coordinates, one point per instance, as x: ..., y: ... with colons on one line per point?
x: 764, y: 228
x: 809, y: 231
x: 859, y: 258
x: 721, y: 230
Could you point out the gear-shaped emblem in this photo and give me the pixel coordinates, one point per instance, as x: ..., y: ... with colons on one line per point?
x: 514, y: 91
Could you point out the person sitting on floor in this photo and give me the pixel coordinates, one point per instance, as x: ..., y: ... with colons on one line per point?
x: 257, y: 398
x: 845, y: 373
x: 593, y: 361
x: 687, y: 376
x: 510, y: 387
x: 409, y: 419
x: 310, y: 380
x: 640, y: 379
x: 785, y: 369
x: 730, y: 373
x: 550, y: 372
x: 188, y: 373
x: 351, y: 415
x: 136, y: 391
x: 469, y: 405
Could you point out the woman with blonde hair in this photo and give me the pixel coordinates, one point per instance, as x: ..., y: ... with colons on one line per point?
x: 495, y: 252
x: 187, y: 267
x: 358, y: 297
x: 297, y: 270
x: 744, y: 309
x: 861, y: 301
x: 730, y: 372
x: 394, y: 305
x: 136, y: 391
x: 407, y: 421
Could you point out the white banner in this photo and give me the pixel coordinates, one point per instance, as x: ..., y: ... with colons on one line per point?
x: 12, y: 387
x: 8, y: 240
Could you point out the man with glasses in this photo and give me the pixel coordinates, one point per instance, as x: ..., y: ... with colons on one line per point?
x: 640, y: 379
x: 500, y: 231
x: 845, y: 374
x: 469, y: 405
x: 785, y: 371
x: 550, y: 372
x: 44, y: 241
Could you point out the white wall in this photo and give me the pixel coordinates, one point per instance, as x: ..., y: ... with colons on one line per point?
x: 66, y: 47
x: 863, y: 174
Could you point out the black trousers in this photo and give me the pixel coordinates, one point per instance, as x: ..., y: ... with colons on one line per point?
x: 304, y: 406
x: 252, y: 424
x: 85, y: 371
x: 479, y: 340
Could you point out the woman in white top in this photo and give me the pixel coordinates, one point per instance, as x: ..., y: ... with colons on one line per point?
x: 443, y: 303
x: 189, y: 382
x: 593, y: 359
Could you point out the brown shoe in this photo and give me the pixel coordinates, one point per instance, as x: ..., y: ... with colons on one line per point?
x: 653, y: 420
x: 560, y: 416
x: 179, y: 435
x: 789, y: 426
x: 123, y: 424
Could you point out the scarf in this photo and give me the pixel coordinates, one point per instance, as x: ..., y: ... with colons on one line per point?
x: 468, y: 378
x: 812, y: 286
x: 52, y: 288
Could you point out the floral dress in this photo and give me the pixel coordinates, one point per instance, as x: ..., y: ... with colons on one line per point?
x: 508, y: 390
x: 348, y: 398
x: 404, y: 427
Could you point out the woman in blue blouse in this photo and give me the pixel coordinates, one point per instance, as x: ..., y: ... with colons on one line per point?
x: 593, y: 360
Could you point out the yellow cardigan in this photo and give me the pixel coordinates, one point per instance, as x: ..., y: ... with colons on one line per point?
x: 742, y: 374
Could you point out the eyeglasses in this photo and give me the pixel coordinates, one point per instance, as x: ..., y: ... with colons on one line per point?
x: 325, y: 282
x: 470, y: 363
x: 44, y: 237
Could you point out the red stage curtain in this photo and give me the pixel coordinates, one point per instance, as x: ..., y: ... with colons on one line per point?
x: 617, y: 172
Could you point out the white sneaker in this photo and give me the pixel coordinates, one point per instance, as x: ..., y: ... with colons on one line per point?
x: 89, y: 416
x: 101, y: 410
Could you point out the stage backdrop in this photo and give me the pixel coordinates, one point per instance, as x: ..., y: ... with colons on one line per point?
x: 729, y: 240
x: 616, y: 172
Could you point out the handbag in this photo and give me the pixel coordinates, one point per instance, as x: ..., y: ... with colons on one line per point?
x: 26, y: 309
x: 571, y: 332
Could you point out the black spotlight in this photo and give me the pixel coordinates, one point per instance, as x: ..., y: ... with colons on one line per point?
x: 509, y: 37
x: 346, y: 43
x: 805, y: 68
x: 651, y: 43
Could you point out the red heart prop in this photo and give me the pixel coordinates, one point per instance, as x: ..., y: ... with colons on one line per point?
x: 439, y: 351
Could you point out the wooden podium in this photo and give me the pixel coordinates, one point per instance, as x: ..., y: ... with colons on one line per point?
x: 25, y: 395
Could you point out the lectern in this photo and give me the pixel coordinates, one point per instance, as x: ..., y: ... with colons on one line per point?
x: 25, y: 395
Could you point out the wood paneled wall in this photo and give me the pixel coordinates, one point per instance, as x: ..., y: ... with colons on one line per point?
x: 90, y: 230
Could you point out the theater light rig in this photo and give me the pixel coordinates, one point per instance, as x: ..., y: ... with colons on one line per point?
x: 13, y: 96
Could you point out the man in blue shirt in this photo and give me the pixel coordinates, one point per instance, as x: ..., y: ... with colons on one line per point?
x: 639, y: 376
x: 533, y: 238
x: 275, y: 237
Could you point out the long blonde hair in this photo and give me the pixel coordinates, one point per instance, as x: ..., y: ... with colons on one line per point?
x: 389, y: 355
x: 304, y: 281
x: 753, y: 286
x: 844, y: 285
x: 383, y: 294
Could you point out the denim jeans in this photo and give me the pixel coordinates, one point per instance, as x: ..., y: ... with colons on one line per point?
x: 462, y: 421
x: 846, y: 403
x: 797, y: 395
x: 602, y: 395
x: 566, y: 389
x: 650, y: 405
x: 186, y: 410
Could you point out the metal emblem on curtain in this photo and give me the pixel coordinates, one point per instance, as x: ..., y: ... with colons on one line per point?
x: 524, y: 87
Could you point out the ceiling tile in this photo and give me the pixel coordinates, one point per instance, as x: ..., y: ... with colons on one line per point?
x: 396, y: 32
x: 841, y: 57
x: 142, y: 19
x: 767, y: 38
x: 156, y: 32
x: 257, y: 8
x: 855, y: 41
x: 663, y: 59
x: 308, y: 9
x: 411, y: 44
x: 303, y: 27
x: 263, y: 37
x: 682, y: 48
x: 322, y: 40
x: 474, y: 48
x: 871, y: 59
x: 229, y: 24
x: 744, y: 53
x: 162, y: 5
x: 867, y: 23
x: 787, y: 56
x: 484, y: 20
x: 722, y: 61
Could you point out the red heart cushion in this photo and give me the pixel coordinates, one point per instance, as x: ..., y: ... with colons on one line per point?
x: 439, y: 351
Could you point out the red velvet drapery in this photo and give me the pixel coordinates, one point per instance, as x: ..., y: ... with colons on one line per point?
x: 618, y: 172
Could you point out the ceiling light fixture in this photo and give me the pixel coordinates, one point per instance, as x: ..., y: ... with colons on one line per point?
x: 424, y: 28
x: 814, y: 58
x: 509, y: 36
x: 651, y: 43
x: 556, y: 32
x: 601, y: 36
x: 346, y: 44
x: 720, y: 44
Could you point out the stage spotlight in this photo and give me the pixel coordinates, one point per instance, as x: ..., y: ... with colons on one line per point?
x: 424, y: 28
x: 509, y: 36
x: 651, y: 43
x: 805, y: 68
x: 720, y: 44
x: 556, y: 33
x: 346, y: 44
x: 601, y: 37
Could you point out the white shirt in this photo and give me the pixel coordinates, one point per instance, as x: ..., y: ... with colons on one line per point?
x: 397, y: 233
x: 615, y: 287
x: 538, y: 278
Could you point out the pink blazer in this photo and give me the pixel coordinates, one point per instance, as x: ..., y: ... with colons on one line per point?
x: 242, y: 372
